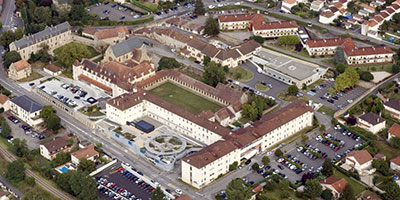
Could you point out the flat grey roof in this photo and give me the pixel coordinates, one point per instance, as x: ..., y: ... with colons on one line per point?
x: 285, y: 65
x: 126, y: 46
x: 48, y: 32
x: 27, y: 103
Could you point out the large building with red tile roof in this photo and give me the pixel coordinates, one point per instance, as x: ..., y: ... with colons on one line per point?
x: 239, y: 21
x: 109, y: 36
x: 353, y: 55
x: 185, y: 24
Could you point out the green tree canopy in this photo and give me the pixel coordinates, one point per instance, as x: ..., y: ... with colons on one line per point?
x: 327, y: 169
x: 349, y: 78
x: 366, y: 76
x: 278, y: 153
x: 347, y: 193
x: 199, y: 8
x: 168, y: 63
x: 257, y: 38
x: 237, y: 189
x: 396, y: 67
x: 11, y: 57
x: 211, y: 26
x: 213, y: 74
x: 49, y: 115
x: 86, y: 165
x: 157, y: 194
x: 20, y: 147
x: 70, y: 52
x: 255, y: 166
x: 206, y: 60
x: 312, y: 188
x: 392, y: 191
x: 293, y: 90
x: 338, y: 57
x: 5, y: 129
x: 61, y: 158
x: 15, y: 171
x: 340, y: 67
x: 381, y: 166
x: 327, y: 194
x: 288, y: 40
x: 265, y: 160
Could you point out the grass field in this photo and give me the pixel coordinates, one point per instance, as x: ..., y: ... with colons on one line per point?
x: 261, y: 87
x: 184, y: 98
x: 34, y: 75
x: 357, y: 188
x: 326, y: 110
x: 240, y: 74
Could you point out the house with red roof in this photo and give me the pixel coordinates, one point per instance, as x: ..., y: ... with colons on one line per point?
x: 394, y: 131
x: 336, y: 185
x: 395, y: 164
x: 361, y: 161
x: 4, y: 102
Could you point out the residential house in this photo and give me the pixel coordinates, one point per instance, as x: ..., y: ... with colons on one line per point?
x: 369, y: 9
x: 371, y: 122
x: 288, y: 4
x: 132, y: 49
x: 3, y: 194
x: 395, y: 164
x: 327, y: 17
x: 51, y: 148
x: 317, y: 5
x: 19, y: 70
x: 27, y: 110
x: 394, y: 131
x: 361, y: 161
x: 336, y: 185
x: 4, y: 102
x: 107, y: 36
x: 368, y: 195
x: 53, y: 37
x: 186, y: 25
x: 52, y: 69
x: 393, y: 107
x: 88, y: 153
x: 346, y: 25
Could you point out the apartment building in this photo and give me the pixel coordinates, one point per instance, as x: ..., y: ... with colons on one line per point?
x: 19, y: 70
x: 371, y: 122
x: 317, y: 5
x: 239, y: 21
x: 107, y: 36
x: 393, y: 107
x: 353, y: 55
x: 51, y: 148
x: 203, y: 167
x: 130, y: 50
x: 27, y: 110
x: 53, y: 36
x: 111, y: 77
x: 185, y: 25
x: 275, y: 29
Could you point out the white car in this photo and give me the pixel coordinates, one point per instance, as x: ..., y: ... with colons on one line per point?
x: 350, y: 101
x: 237, y: 3
x: 211, y: 6
x: 178, y: 191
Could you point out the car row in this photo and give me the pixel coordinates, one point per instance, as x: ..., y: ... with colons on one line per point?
x: 291, y: 164
x: 113, y: 191
x: 331, y: 141
x: 13, y: 119
x: 311, y: 152
x: 142, y: 184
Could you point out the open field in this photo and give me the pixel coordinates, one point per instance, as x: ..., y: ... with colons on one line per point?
x: 184, y: 98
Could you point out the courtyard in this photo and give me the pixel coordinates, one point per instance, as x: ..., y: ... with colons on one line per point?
x: 184, y: 98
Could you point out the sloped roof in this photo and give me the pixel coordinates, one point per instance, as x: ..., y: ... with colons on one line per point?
x: 20, y: 65
x: 372, y: 118
x: 337, y: 183
x: 26, y: 103
x: 275, y: 25
x: 240, y: 17
x: 396, y: 160
x: 361, y: 156
x: 393, y: 103
x: 395, y: 130
x: 56, y: 144
x: 360, y: 51
x: 126, y: 46
x: 85, y: 153
x: 3, y: 98
x: 110, y: 33
x: 52, y: 67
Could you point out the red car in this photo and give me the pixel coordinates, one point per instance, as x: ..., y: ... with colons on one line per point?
x: 120, y: 169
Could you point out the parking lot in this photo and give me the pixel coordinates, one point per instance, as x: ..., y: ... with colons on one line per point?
x: 309, y: 164
x: 114, y: 12
x: 114, y: 182
x: 320, y: 94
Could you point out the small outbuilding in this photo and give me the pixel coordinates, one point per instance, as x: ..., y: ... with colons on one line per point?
x: 144, y: 126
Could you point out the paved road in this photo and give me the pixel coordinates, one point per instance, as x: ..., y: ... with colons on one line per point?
x: 39, y: 180
x: 7, y: 16
x: 332, y: 29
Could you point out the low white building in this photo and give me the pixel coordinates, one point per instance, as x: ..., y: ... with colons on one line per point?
x: 287, y: 5
x: 51, y: 148
x: 361, y: 161
x: 275, y: 29
x: 27, y: 110
x: 52, y: 69
x: 371, y: 122
x: 394, y: 131
x: 88, y: 153
x: 393, y: 107
x: 317, y: 5
x: 395, y: 164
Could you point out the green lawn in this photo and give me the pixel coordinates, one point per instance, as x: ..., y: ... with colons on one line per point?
x: 326, y: 110
x: 357, y: 188
x: 184, y: 98
x: 92, y: 111
x: 367, y: 67
x: 240, y: 74
x: 261, y: 87
x: 93, y: 51
x: 34, y: 75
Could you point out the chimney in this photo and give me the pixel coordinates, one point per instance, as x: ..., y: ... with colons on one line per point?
x: 324, y: 40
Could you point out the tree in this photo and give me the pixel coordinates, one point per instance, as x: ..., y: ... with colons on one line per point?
x: 19, y: 33
x: 6, y: 38
x: 288, y: 40
x: 42, y: 15
x: 30, y: 181
x: 265, y: 160
x: 157, y: 194
x: 270, y: 185
x: 233, y: 166
x: 392, y: 191
x: 11, y: 57
x: 347, y: 193
x: 293, y: 90
x: 213, y: 74
x: 366, y: 76
x: 255, y: 166
x: 349, y: 78
x: 340, y: 67
x: 306, y: 177
x: 61, y: 158
x: 168, y: 63
x: 199, y: 8
x: 5, y: 129
x: 86, y: 165
x: 49, y: 116
x: 77, y: 12
x: 257, y: 38
x: 1, y: 25
x: 396, y: 67
x: 381, y: 166
x: 15, y: 171
x: 278, y: 153
x: 20, y: 147
x: 338, y: 57
x: 206, y: 60
x: 327, y: 169
x: 211, y: 26
x: 237, y: 189
x: 312, y: 188
x: 327, y: 194
x: 70, y: 52
x: 394, y: 142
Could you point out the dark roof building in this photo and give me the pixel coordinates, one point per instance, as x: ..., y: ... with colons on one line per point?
x: 27, y: 104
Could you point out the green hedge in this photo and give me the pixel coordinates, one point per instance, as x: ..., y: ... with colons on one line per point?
x: 331, y: 141
x: 116, y: 23
x: 295, y: 164
x: 312, y: 151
